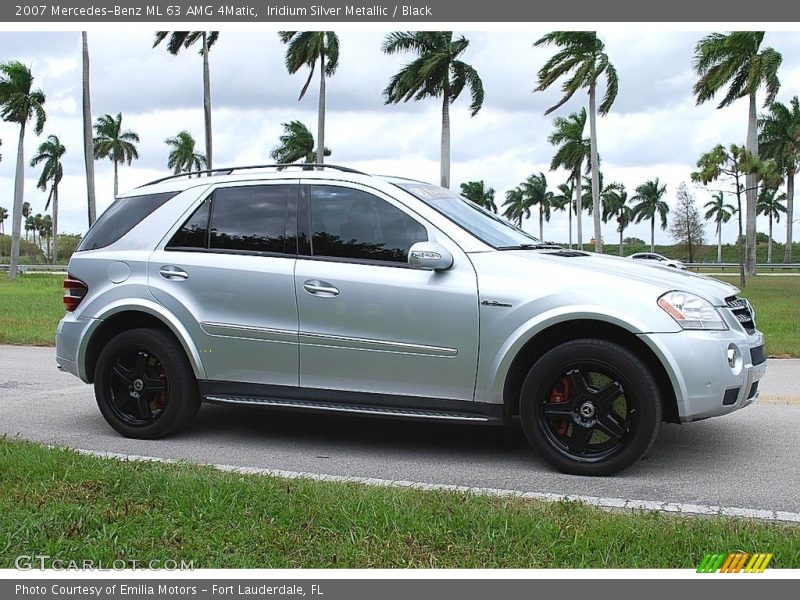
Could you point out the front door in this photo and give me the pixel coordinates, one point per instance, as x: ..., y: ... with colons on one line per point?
x: 369, y: 322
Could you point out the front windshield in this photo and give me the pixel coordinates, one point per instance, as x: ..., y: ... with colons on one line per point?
x: 483, y: 224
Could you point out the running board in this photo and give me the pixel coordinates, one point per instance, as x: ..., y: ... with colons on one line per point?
x: 361, y: 409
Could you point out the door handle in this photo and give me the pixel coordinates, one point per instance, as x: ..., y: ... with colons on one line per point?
x: 320, y: 288
x: 172, y: 272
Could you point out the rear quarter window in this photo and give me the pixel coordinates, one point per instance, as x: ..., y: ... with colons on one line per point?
x: 122, y: 216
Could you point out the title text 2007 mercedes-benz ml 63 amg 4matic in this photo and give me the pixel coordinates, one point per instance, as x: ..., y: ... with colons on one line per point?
x: 333, y: 290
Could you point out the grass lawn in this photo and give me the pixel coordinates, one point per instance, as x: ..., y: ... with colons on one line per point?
x: 775, y: 302
x: 31, y: 307
x: 72, y: 507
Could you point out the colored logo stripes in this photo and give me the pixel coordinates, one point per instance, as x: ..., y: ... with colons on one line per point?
x: 735, y: 562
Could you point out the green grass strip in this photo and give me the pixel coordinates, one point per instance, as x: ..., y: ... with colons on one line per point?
x: 74, y: 507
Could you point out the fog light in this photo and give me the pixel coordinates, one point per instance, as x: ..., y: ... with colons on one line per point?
x: 735, y: 359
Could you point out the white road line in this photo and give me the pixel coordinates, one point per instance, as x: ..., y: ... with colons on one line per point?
x: 600, y: 502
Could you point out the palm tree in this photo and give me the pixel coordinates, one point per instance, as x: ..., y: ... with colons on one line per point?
x: 185, y: 39
x: 46, y: 230
x: 583, y: 60
x: 50, y: 153
x: 479, y: 194
x: 296, y: 144
x: 435, y: 73
x: 3, y: 217
x: 734, y: 60
x: 115, y: 144
x: 535, y: 191
x: 572, y: 149
x: 516, y: 206
x: 615, y: 206
x: 650, y: 205
x: 305, y: 48
x: 88, y: 145
x: 30, y: 225
x: 779, y: 139
x: 183, y: 158
x: 770, y: 204
x: 19, y: 103
x: 721, y: 213
x: 564, y: 200
x: 26, y: 212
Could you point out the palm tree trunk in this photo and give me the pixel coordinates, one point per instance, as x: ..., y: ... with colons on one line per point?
x: 16, y: 219
x: 116, y: 180
x: 88, y: 145
x: 787, y: 253
x: 751, y: 181
x: 769, y: 242
x: 739, y: 249
x: 621, y: 232
x: 444, y: 160
x: 598, y: 241
x: 578, y: 207
x: 719, y: 241
x: 207, y: 101
x: 321, y: 109
x: 569, y: 212
x: 55, y: 223
x: 653, y: 234
x: 541, y: 223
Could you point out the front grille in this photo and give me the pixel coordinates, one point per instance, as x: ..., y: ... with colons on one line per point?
x: 743, y: 312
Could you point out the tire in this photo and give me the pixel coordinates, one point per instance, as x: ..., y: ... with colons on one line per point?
x: 144, y: 385
x: 590, y: 407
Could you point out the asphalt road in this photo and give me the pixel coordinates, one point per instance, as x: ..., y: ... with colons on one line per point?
x: 748, y: 459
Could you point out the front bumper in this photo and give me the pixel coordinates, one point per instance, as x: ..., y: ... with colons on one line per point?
x: 697, y: 362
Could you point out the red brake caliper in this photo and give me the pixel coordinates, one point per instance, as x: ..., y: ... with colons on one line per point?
x: 559, y: 395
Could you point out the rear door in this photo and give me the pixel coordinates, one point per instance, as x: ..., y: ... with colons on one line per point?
x: 228, y: 273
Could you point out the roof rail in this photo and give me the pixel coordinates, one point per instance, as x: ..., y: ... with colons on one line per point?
x: 229, y: 170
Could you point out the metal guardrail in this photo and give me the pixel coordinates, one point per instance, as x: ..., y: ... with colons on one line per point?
x: 735, y: 266
x: 36, y: 268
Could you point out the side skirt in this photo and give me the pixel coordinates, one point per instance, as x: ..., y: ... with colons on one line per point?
x: 358, y: 403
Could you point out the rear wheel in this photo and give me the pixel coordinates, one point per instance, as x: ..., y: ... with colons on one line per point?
x: 144, y: 385
x: 590, y: 407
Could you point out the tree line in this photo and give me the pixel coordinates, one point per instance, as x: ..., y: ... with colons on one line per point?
x: 733, y: 65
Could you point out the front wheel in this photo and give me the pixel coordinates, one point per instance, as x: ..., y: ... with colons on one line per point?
x: 590, y: 407
x: 144, y: 384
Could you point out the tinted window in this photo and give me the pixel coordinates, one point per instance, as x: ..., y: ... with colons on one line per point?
x: 251, y: 218
x: 194, y: 233
x: 347, y: 223
x: 481, y: 223
x: 122, y: 216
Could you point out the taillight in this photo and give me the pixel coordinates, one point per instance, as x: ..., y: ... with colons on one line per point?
x: 74, y: 291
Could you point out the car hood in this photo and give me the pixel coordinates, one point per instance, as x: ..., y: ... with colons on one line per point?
x: 593, y: 266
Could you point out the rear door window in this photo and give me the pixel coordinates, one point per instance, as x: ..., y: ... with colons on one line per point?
x: 122, y: 216
x: 242, y: 219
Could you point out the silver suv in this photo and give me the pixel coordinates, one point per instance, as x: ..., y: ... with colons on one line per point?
x: 333, y: 290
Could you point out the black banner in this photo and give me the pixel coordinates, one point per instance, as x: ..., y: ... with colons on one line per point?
x: 410, y: 11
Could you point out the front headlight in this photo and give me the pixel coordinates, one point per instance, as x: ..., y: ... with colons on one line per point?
x: 690, y: 311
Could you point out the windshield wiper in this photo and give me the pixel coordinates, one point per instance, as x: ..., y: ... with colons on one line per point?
x: 538, y: 246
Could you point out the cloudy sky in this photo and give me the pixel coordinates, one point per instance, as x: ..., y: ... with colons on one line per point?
x: 654, y: 129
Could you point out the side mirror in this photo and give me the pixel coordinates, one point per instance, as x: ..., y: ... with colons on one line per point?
x: 431, y: 256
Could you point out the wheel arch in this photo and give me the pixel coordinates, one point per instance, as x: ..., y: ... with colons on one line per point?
x: 124, y: 317
x: 586, y: 327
